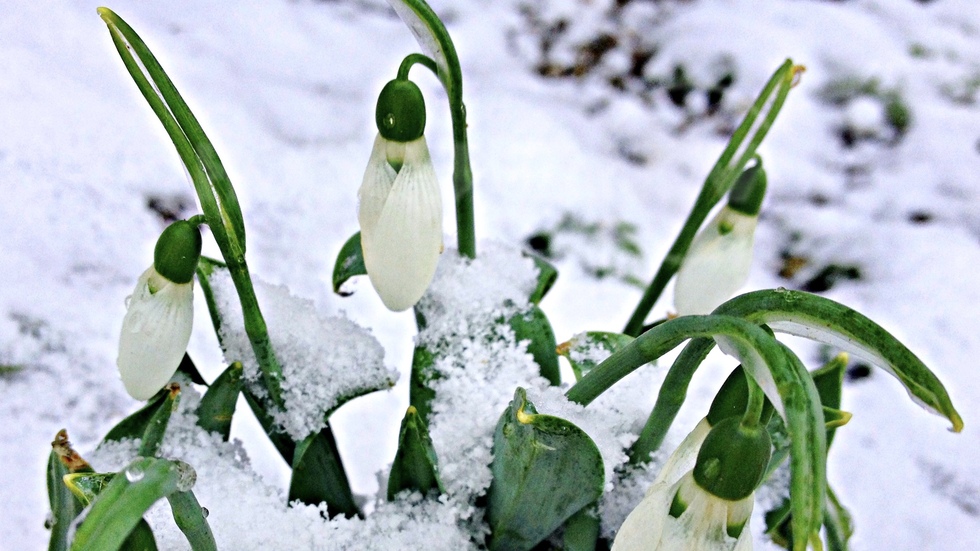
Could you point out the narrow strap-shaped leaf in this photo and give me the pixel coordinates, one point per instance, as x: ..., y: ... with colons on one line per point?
x: 420, y: 393
x: 64, y: 505
x: 120, y: 507
x: 140, y: 538
x: 86, y: 486
x: 582, y: 529
x: 416, y: 466
x: 191, y: 519
x: 218, y: 199
x: 547, y: 274
x: 318, y: 476
x: 534, y: 327
x: 156, y: 427
x: 815, y: 317
x: 721, y: 178
x: 217, y: 406
x: 350, y: 263
x: 545, y: 469
x: 189, y: 368
x: 205, y: 269
x: 829, y: 381
x: 135, y: 424
x: 838, y: 523
x: 586, y: 350
x: 786, y: 383
x: 283, y: 443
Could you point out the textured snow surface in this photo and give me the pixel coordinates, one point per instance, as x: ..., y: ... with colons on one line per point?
x: 325, y: 360
x: 286, y: 91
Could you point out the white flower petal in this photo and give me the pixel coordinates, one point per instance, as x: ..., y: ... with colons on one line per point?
x: 154, y: 335
x: 716, y: 265
x: 644, y: 527
x: 401, y: 248
x: 375, y: 187
x: 684, y: 457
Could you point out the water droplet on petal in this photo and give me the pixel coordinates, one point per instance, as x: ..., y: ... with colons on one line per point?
x: 205, y: 512
x: 126, y: 302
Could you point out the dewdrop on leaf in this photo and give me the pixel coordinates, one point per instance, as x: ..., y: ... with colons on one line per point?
x: 400, y: 209
x: 718, y: 262
x: 160, y: 313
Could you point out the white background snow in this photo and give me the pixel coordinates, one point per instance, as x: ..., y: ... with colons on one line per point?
x: 286, y: 91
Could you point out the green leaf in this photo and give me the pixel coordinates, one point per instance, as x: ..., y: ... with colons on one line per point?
x: 416, y: 466
x: 534, y: 327
x: 205, y: 269
x: 140, y: 538
x: 187, y: 367
x: 135, y: 425
x: 814, y: 317
x: 829, y: 381
x: 190, y: 518
x: 584, y: 349
x: 582, y: 529
x: 64, y: 506
x: 214, y: 189
x: 156, y: 427
x: 319, y: 477
x: 217, y: 406
x: 350, y: 263
x: 420, y: 393
x: 121, y: 505
x: 435, y: 42
x: 86, y: 486
x: 545, y: 469
x: 283, y: 443
x: 547, y: 274
x: 777, y: 370
x: 838, y: 523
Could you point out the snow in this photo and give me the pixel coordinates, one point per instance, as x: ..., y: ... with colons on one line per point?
x: 286, y: 92
x: 318, y: 374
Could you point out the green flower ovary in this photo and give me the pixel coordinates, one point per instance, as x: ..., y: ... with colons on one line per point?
x: 400, y: 114
x: 177, y: 252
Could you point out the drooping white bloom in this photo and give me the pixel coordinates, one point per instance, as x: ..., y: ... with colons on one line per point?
x: 704, y: 525
x: 400, y: 214
x: 155, y: 332
x: 717, y: 264
x: 706, y: 520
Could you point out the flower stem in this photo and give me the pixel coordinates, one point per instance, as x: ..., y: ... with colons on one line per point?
x: 256, y: 329
x: 435, y: 40
x: 756, y: 403
x: 412, y: 59
x: 719, y: 180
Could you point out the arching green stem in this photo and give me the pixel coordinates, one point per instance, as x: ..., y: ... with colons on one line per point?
x: 757, y: 400
x: 435, y: 41
x: 718, y: 182
x: 420, y: 59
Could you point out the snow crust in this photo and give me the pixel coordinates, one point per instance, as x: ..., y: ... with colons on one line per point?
x: 325, y: 360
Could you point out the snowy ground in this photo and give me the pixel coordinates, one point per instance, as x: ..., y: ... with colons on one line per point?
x: 286, y: 91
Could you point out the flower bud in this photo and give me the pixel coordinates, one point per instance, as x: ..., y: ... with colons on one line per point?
x: 177, y: 251
x: 733, y: 459
x: 400, y: 113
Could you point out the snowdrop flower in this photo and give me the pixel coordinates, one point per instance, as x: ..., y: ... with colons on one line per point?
x: 400, y: 209
x: 706, y: 508
x: 159, y: 313
x: 719, y: 259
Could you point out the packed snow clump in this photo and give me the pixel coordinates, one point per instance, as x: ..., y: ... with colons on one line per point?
x: 325, y: 360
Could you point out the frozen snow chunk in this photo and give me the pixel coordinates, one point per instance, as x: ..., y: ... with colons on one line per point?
x: 325, y: 361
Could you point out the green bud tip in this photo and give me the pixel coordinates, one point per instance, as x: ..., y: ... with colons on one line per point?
x: 400, y: 114
x: 749, y: 190
x: 733, y: 460
x: 177, y: 252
